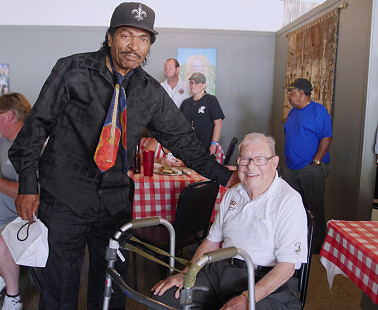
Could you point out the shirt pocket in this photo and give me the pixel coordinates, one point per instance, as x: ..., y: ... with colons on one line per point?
x: 262, y: 232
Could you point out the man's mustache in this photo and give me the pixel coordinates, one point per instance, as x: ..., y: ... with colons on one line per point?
x: 134, y: 53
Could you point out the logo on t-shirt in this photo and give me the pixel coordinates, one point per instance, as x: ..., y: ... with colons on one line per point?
x: 297, y: 248
x: 201, y: 109
x: 233, y: 205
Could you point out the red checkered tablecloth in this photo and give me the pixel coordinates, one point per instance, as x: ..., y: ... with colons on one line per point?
x: 219, y: 154
x: 352, y: 246
x: 158, y: 195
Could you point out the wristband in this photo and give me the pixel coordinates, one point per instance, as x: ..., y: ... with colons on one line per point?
x: 214, y: 142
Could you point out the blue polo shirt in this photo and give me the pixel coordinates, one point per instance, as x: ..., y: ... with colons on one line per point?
x: 304, y: 128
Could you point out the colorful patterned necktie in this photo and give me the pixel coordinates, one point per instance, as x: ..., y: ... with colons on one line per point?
x: 114, y: 128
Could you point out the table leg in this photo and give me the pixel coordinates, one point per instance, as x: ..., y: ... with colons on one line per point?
x: 366, y: 303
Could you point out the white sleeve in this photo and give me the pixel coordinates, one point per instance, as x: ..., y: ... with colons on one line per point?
x: 216, y: 229
x: 291, y: 231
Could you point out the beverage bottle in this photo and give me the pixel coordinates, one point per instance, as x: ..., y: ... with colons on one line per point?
x: 136, y: 164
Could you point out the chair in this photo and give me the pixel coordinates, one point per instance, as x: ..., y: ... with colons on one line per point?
x: 304, y: 272
x: 230, y: 151
x: 194, y: 208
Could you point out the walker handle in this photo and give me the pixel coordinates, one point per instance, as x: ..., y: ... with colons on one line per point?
x: 150, y: 221
x: 221, y: 254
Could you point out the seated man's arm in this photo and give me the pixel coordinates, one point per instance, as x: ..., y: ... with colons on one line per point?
x: 151, y: 146
x: 177, y: 280
x: 9, y: 188
x: 279, y: 275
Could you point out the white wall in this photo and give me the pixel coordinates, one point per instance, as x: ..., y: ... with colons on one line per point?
x: 254, y: 15
x: 368, y: 170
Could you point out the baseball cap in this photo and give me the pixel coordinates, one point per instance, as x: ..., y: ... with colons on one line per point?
x: 198, y: 77
x: 300, y: 83
x: 134, y: 14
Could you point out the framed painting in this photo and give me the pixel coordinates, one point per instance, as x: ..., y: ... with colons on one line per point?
x: 201, y: 60
x: 4, y: 79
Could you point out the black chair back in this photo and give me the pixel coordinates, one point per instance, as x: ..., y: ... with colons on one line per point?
x: 304, y: 271
x: 131, y: 193
x: 194, y: 209
x: 230, y: 151
x: 192, y: 220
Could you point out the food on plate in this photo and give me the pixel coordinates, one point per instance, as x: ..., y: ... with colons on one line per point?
x: 168, y: 170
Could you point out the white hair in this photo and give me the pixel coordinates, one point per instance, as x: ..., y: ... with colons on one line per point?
x: 256, y: 136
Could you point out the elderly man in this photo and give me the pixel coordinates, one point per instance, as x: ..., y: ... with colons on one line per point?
x: 177, y: 89
x: 94, y: 107
x: 14, y: 109
x: 265, y: 217
x: 308, y: 136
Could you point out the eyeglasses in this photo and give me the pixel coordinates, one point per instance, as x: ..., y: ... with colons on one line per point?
x: 193, y: 83
x: 258, y: 160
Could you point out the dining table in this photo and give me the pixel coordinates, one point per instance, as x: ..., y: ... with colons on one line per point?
x: 351, y: 249
x: 157, y: 195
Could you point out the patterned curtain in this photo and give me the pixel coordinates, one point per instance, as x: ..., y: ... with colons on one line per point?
x: 312, y: 55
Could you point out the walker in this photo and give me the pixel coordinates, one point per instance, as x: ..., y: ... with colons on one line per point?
x: 186, y: 296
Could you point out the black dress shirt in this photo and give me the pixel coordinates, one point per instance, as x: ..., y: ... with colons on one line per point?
x: 71, y: 110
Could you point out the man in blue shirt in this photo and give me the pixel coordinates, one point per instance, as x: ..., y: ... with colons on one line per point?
x: 308, y: 135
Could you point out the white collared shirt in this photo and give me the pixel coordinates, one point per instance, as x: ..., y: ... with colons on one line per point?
x: 271, y: 228
x: 179, y: 93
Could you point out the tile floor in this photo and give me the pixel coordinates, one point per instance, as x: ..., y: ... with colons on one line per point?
x: 345, y: 295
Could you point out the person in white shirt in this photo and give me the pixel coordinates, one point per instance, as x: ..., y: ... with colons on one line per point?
x: 265, y: 217
x: 177, y: 89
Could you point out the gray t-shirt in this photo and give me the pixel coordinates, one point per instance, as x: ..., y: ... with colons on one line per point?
x: 7, y: 207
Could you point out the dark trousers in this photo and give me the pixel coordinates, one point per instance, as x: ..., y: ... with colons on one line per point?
x: 68, y: 235
x: 225, y: 282
x: 310, y: 183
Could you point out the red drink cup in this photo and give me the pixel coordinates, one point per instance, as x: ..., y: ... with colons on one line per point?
x: 148, y: 163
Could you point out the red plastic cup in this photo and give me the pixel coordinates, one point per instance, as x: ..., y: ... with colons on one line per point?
x: 148, y: 163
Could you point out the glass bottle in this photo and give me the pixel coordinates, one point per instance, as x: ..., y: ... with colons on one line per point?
x: 136, y: 164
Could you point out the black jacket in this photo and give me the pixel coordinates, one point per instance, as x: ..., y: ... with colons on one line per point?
x: 71, y: 110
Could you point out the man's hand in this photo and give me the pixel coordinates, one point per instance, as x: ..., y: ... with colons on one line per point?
x: 237, y: 303
x: 234, y: 179
x: 172, y: 161
x: 164, y: 285
x: 26, y: 205
x: 213, y: 149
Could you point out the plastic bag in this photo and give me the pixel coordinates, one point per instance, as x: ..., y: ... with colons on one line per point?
x: 27, y: 242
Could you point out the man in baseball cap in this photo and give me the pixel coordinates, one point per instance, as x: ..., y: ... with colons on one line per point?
x: 302, y: 84
x: 94, y: 107
x: 308, y: 136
